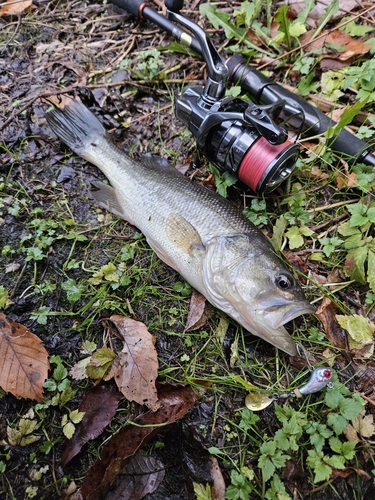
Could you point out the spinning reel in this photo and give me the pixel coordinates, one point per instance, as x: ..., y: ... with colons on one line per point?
x: 237, y: 135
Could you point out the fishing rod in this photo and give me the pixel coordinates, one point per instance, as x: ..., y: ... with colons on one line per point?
x: 237, y: 135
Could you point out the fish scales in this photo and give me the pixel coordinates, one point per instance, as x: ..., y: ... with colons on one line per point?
x: 194, y: 230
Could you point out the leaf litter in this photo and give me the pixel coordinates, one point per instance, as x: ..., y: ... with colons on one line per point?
x: 23, y: 360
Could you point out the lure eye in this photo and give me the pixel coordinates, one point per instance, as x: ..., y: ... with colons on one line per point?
x: 284, y: 281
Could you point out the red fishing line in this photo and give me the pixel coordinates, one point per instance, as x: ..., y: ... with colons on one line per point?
x: 257, y: 160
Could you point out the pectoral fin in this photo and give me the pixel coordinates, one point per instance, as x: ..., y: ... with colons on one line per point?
x: 106, y: 197
x: 183, y: 234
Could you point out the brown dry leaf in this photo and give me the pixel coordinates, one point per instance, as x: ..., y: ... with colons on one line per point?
x: 362, y: 426
x: 345, y: 180
x: 349, y: 46
x: 326, y: 312
x: 218, y: 487
x: 175, y: 401
x: 99, y: 405
x: 138, y: 363
x: 23, y: 360
x: 14, y: 7
x: 196, y: 317
x: 345, y: 7
x: 140, y: 477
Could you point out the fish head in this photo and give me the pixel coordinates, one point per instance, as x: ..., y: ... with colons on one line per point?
x: 248, y: 281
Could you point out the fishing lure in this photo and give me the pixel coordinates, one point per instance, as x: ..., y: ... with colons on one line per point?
x: 320, y: 378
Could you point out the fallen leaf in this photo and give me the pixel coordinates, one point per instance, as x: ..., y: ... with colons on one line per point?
x: 218, y: 488
x: 138, y: 363
x: 23, y: 434
x: 316, y: 14
x: 345, y: 180
x: 78, y: 371
x: 13, y: 266
x: 13, y: 7
x: 99, y: 405
x: 196, y: 317
x: 100, y: 362
x: 23, y: 360
x: 345, y: 45
x: 361, y: 333
x: 139, y: 478
x: 361, y: 427
x: 326, y: 312
x: 175, y: 401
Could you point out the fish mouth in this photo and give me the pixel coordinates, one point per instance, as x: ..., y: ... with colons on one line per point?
x: 276, y: 316
x: 271, y: 320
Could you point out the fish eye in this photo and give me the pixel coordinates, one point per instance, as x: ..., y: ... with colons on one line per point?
x: 284, y: 281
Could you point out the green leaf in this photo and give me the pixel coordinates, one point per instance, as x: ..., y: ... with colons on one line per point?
x: 100, y: 361
x: 347, y: 230
x: 3, y: 297
x: 202, y: 492
x: 215, y: 451
x: 354, y: 29
x: 303, y: 65
x: 221, y: 19
x: 295, y: 238
x: 355, y: 264
x: 296, y: 29
x: 329, y: 12
x: 351, y: 407
x: 336, y: 461
x: 318, y: 434
x: 267, y: 467
x: 60, y: 372
x: 346, y: 449
x: 76, y: 416
x: 337, y: 422
x: 304, y: 14
x: 316, y: 461
x: 73, y: 291
x: 278, y: 232
x: 41, y: 315
x: 282, y: 18
x: 371, y: 269
x: 330, y: 244
x: 333, y: 398
x: 68, y: 430
x: 348, y: 115
x: 307, y: 85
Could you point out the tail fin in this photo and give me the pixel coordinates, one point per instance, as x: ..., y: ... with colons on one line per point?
x: 75, y: 125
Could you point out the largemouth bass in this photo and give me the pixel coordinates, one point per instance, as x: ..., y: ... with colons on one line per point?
x: 195, y: 231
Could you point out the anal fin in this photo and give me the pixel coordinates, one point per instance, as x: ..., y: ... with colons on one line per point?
x: 106, y: 197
